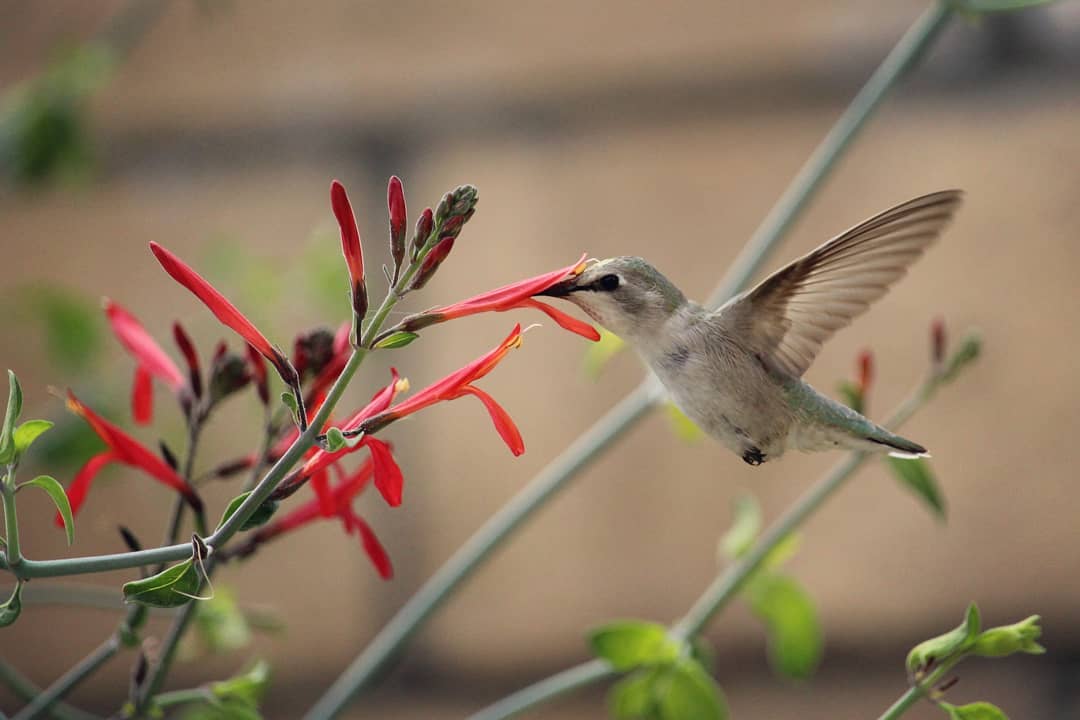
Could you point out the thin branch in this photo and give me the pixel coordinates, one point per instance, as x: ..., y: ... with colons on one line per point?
x: 25, y: 690
x: 69, y: 680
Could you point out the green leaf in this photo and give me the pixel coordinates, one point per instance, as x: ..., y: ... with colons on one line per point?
x: 684, y: 428
x: 974, y: 711
x: 27, y: 433
x: 687, y: 692
x: 11, y: 416
x: 172, y: 587
x: 944, y: 647
x: 289, y: 401
x: 249, y: 687
x: 783, y: 551
x: 1008, y: 639
x: 628, y: 644
x: 220, y: 625
x: 261, y: 515
x: 791, y: 620
x: 738, y: 540
x: 335, y: 440
x: 56, y: 491
x: 213, y: 709
x: 916, y: 475
x: 600, y: 352
x: 399, y: 339
x: 9, y: 610
x: 851, y: 395
x: 634, y: 696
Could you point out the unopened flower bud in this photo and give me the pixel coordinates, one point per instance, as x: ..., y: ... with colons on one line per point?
x: 424, y: 225
x: 1009, y: 639
x: 432, y: 262
x: 312, y: 351
x: 937, y: 342
x: 228, y: 373
x: 866, y: 372
x: 957, y: 641
x: 395, y: 201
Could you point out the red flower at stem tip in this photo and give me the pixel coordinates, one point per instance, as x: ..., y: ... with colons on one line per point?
x: 152, y: 362
x: 337, y: 504
x: 124, y: 449
x: 456, y: 385
x: 351, y: 248
x: 223, y: 310
x: 508, y: 297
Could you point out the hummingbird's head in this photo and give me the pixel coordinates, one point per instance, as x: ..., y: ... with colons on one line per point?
x: 626, y: 295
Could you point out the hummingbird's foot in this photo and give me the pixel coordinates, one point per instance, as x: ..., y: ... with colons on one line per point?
x: 753, y: 456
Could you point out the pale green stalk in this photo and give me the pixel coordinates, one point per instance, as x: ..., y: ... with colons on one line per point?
x: 390, y: 639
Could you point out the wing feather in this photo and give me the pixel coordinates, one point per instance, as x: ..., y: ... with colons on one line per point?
x: 791, y: 313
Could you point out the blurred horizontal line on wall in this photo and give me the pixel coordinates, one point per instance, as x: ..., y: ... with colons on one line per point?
x: 1024, y: 58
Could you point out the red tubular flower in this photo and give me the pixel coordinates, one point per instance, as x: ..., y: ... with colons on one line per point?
x: 395, y: 204
x: 351, y: 248
x: 152, y: 361
x: 459, y: 384
x: 508, y: 297
x: 338, y: 504
x: 224, y: 310
x: 124, y: 449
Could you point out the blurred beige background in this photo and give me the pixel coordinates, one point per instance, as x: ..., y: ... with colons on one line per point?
x: 660, y: 129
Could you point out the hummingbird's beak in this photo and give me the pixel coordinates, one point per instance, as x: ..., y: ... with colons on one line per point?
x: 560, y: 289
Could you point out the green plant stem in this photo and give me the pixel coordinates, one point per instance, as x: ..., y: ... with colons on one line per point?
x: 183, y: 697
x: 916, y: 692
x: 26, y: 690
x: 726, y: 585
x: 12, y: 551
x: 69, y: 680
x: 388, y: 642
x: 172, y: 532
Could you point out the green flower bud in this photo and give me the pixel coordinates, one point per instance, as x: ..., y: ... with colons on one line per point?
x: 957, y: 641
x: 1009, y: 639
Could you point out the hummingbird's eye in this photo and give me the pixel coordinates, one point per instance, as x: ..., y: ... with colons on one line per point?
x: 608, y: 283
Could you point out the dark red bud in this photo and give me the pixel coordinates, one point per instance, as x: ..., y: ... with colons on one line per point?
x: 258, y: 374
x: 432, y: 262
x: 937, y: 341
x: 395, y: 202
x: 228, y: 374
x: 312, y: 351
x: 191, y: 357
x: 866, y: 371
x: 424, y: 225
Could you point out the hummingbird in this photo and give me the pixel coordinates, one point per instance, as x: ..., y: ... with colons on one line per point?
x: 737, y: 371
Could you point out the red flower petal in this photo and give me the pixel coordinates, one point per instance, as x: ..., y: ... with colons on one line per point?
x: 142, y: 396
x: 147, y: 353
x: 504, y: 424
x: 388, y: 477
x: 373, y: 547
x: 80, y: 486
x: 567, y: 322
x: 130, y: 452
x: 350, y: 245
x: 222, y: 309
x: 320, y: 483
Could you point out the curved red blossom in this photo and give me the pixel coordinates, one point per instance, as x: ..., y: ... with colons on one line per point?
x: 508, y: 297
x: 152, y: 362
x: 459, y: 384
x: 337, y: 503
x: 124, y: 449
x: 350, y: 247
x: 223, y: 310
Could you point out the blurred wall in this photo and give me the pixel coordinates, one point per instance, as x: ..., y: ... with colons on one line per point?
x: 663, y: 130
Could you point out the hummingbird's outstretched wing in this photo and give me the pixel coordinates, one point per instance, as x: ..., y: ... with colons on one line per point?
x: 791, y: 313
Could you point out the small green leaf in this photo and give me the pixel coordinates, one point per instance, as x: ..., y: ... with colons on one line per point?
x: 684, y: 428
x: 1008, y: 639
x: 744, y: 528
x: 56, y: 491
x: 27, y: 433
x: 399, y: 339
x: 289, y: 401
x: 629, y: 644
x: 634, y: 696
x: 600, y: 352
x: 974, y: 711
x: 220, y: 625
x: 969, y: 349
x: 689, y: 693
x: 262, y: 513
x: 335, y: 440
x: 172, y: 587
x: 944, y: 647
x: 11, y: 416
x: 248, y: 687
x: 916, y: 475
x: 9, y: 610
x: 851, y: 395
x: 794, y: 631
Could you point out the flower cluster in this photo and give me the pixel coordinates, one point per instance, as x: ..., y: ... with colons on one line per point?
x: 318, y: 361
